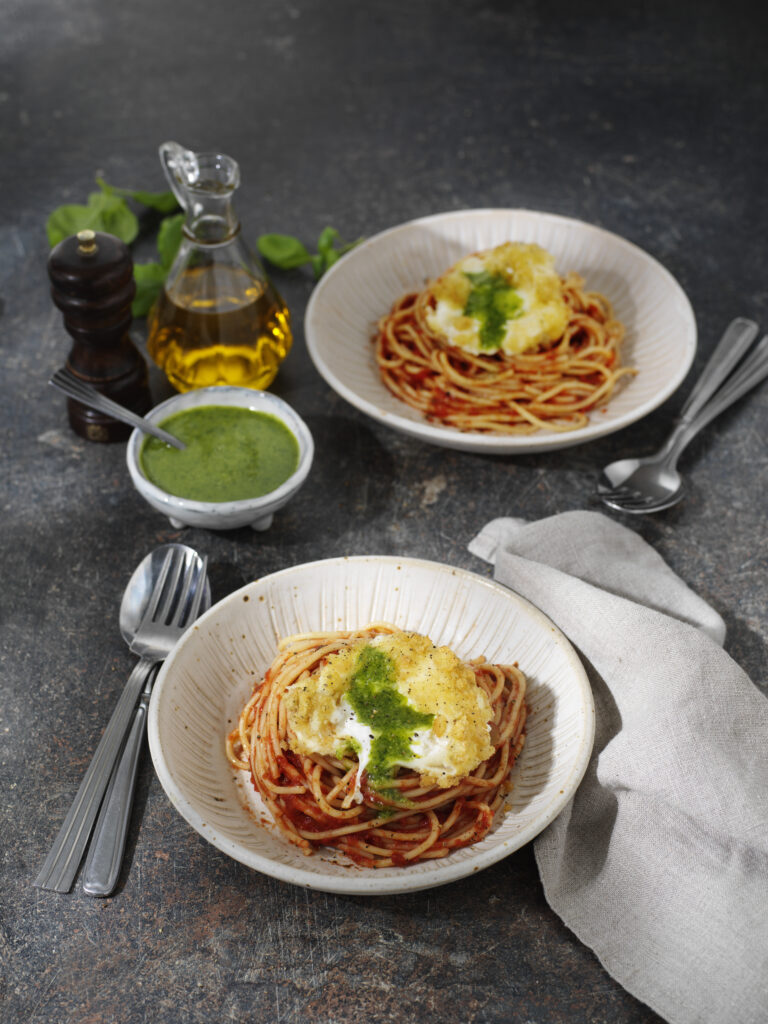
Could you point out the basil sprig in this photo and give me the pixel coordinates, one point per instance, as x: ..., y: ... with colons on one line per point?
x: 286, y: 252
x: 150, y: 277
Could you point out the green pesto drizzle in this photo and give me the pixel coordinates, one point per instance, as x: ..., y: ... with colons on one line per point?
x: 492, y: 301
x: 378, y: 704
x: 348, y: 748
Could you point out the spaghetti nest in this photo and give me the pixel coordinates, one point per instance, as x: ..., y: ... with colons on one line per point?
x: 552, y: 387
x: 312, y: 797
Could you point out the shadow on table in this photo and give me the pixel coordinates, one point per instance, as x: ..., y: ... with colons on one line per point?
x: 339, y: 494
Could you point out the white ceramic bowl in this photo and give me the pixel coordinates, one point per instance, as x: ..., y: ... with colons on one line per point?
x: 224, y: 515
x: 204, y: 684
x: 345, y: 306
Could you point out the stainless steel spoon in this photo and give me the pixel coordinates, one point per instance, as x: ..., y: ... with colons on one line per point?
x: 82, y: 392
x: 651, y: 484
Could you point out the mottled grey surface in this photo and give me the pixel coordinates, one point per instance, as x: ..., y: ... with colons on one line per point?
x: 649, y: 122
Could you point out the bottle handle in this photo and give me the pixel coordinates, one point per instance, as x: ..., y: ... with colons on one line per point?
x: 179, y: 164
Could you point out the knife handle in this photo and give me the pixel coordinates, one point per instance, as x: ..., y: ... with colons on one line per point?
x: 105, y: 853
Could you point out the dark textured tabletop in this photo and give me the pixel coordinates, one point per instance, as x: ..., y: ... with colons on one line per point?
x: 648, y: 121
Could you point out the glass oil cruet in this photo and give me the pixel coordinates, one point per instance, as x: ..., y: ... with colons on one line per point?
x: 218, y: 320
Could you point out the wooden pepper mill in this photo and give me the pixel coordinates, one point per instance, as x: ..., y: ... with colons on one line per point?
x: 92, y: 284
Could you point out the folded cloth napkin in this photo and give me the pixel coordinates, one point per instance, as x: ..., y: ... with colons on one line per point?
x: 660, y: 862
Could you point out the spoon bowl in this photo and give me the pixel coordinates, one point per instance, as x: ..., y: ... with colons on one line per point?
x: 657, y: 479
x: 642, y: 485
x: 637, y: 485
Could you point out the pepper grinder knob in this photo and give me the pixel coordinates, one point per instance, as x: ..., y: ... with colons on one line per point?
x: 92, y: 283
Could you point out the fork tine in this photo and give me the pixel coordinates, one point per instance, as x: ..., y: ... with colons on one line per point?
x: 622, y: 494
x: 194, y: 608
x: 190, y: 574
x: 615, y: 493
x: 170, y: 602
x: 68, y: 380
x: 628, y: 494
x: 629, y: 503
x: 149, y: 612
x: 164, y: 593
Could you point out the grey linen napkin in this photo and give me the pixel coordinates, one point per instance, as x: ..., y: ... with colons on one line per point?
x: 660, y: 862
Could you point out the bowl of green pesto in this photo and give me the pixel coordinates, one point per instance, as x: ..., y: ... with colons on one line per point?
x: 247, y: 454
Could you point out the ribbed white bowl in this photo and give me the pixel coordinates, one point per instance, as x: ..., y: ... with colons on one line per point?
x: 203, y: 686
x: 347, y: 303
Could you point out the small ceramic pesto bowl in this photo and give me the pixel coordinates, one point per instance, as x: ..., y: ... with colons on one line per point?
x: 223, y: 515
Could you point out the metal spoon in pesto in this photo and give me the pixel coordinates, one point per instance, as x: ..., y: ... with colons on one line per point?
x: 77, y: 389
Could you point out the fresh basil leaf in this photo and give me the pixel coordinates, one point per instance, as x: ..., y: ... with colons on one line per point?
x: 169, y: 238
x: 104, y: 212
x: 325, y: 242
x: 318, y: 265
x: 68, y: 220
x: 116, y: 216
x: 163, y: 202
x: 150, y: 278
x: 283, y: 251
x: 327, y: 250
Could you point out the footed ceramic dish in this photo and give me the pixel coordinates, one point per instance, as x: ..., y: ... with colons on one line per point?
x: 257, y: 513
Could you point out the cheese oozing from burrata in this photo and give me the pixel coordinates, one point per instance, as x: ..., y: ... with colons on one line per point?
x: 395, y: 701
x: 508, y: 299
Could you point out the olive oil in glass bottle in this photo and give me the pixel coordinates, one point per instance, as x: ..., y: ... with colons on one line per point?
x: 218, y: 320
